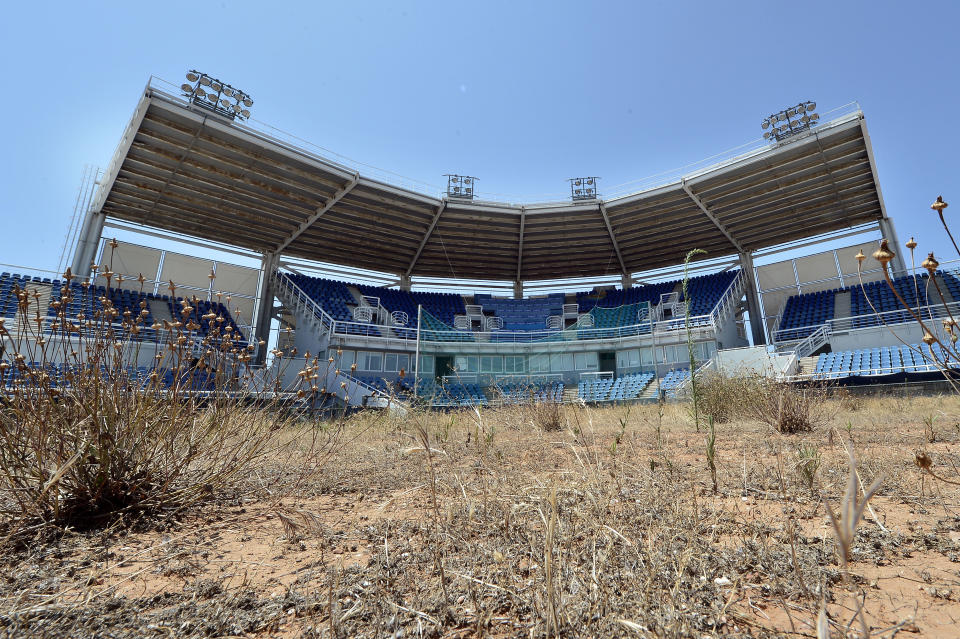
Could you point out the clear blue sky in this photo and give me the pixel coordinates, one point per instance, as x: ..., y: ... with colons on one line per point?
x: 521, y: 94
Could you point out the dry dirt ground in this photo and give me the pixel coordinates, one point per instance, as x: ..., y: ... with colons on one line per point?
x: 600, y: 528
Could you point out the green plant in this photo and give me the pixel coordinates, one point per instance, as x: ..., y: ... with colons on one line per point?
x: 712, y: 452
x: 686, y: 324
x: 808, y: 463
x: 929, y: 432
x: 618, y: 436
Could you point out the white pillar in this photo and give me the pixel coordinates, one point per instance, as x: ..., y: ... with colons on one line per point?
x: 265, y: 307
x: 890, y: 233
x: 518, y: 290
x: 405, y: 282
x: 87, y: 243
x: 757, y: 328
x: 627, y: 281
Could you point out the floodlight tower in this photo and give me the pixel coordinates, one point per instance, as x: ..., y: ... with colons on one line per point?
x: 460, y: 186
x: 783, y: 124
x: 583, y: 188
x: 210, y: 93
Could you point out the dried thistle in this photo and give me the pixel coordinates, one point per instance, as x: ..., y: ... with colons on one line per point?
x: 851, y: 510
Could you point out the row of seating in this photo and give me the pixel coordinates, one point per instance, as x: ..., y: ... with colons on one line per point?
x: 74, y: 298
x: 803, y: 313
x: 624, y: 388
x: 58, y: 376
x: 885, y: 360
x: 523, y: 314
x: 673, y: 380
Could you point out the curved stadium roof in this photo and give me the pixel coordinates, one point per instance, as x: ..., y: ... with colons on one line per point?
x: 185, y: 170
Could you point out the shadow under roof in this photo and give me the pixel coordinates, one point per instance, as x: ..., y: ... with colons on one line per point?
x: 187, y: 171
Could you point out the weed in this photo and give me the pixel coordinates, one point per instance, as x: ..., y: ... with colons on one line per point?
x: 712, y: 452
x: 808, y: 463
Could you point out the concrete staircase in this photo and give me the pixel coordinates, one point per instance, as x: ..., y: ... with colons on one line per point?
x: 807, y: 365
x: 43, y: 303
x: 932, y: 292
x: 160, y: 311
x: 650, y: 392
x: 569, y: 394
x: 841, y: 304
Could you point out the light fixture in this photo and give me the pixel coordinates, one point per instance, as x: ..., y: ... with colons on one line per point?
x: 214, y: 97
x: 795, y: 119
x: 460, y: 186
x: 583, y: 188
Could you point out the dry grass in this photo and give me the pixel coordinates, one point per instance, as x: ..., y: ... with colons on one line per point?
x: 483, y: 523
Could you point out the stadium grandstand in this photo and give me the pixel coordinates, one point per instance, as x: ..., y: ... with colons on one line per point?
x: 460, y: 300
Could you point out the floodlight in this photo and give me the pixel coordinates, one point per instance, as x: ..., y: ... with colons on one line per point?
x: 792, y: 120
x: 583, y: 188
x: 459, y: 186
x: 214, y: 97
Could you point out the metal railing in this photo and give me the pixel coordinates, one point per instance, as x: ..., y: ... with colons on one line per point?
x: 813, y: 341
x: 581, y: 332
x: 930, y: 312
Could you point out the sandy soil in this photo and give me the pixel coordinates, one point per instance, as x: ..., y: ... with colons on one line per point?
x: 504, y: 530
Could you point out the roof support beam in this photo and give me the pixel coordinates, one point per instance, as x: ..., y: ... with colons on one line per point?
x: 523, y: 223
x: 711, y: 216
x: 426, y: 236
x: 320, y: 212
x: 613, y: 239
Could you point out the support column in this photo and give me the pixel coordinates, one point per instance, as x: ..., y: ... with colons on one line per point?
x: 890, y: 233
x: 518, y: 290
x: 87, y: 243
x: 405, y: 282
x: 626, y: 281
x: 265, y: 308
x: 757, y: 328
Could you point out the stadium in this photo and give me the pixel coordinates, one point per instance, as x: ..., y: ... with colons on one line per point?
x: 454, y: 300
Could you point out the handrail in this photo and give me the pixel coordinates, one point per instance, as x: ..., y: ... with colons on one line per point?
x: 896, y: 316
x: 283, y: 280
x: 682, y: 384
x: 575, y: 333
x: 813, y: 341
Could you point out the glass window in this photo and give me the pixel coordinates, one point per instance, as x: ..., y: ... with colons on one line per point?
x: 561, y: 362
x: 491, y: 364
x: 646, y: 357
x: 390, y: 362
x: 465, y: 364
x: 403, y: 362
x: 539, y: 364
x: 426, y: 364
x: 627, y: 359
x: 513, y: 364
x: 370, y: 361
x: 586, y: 361
x: 345, y: 360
